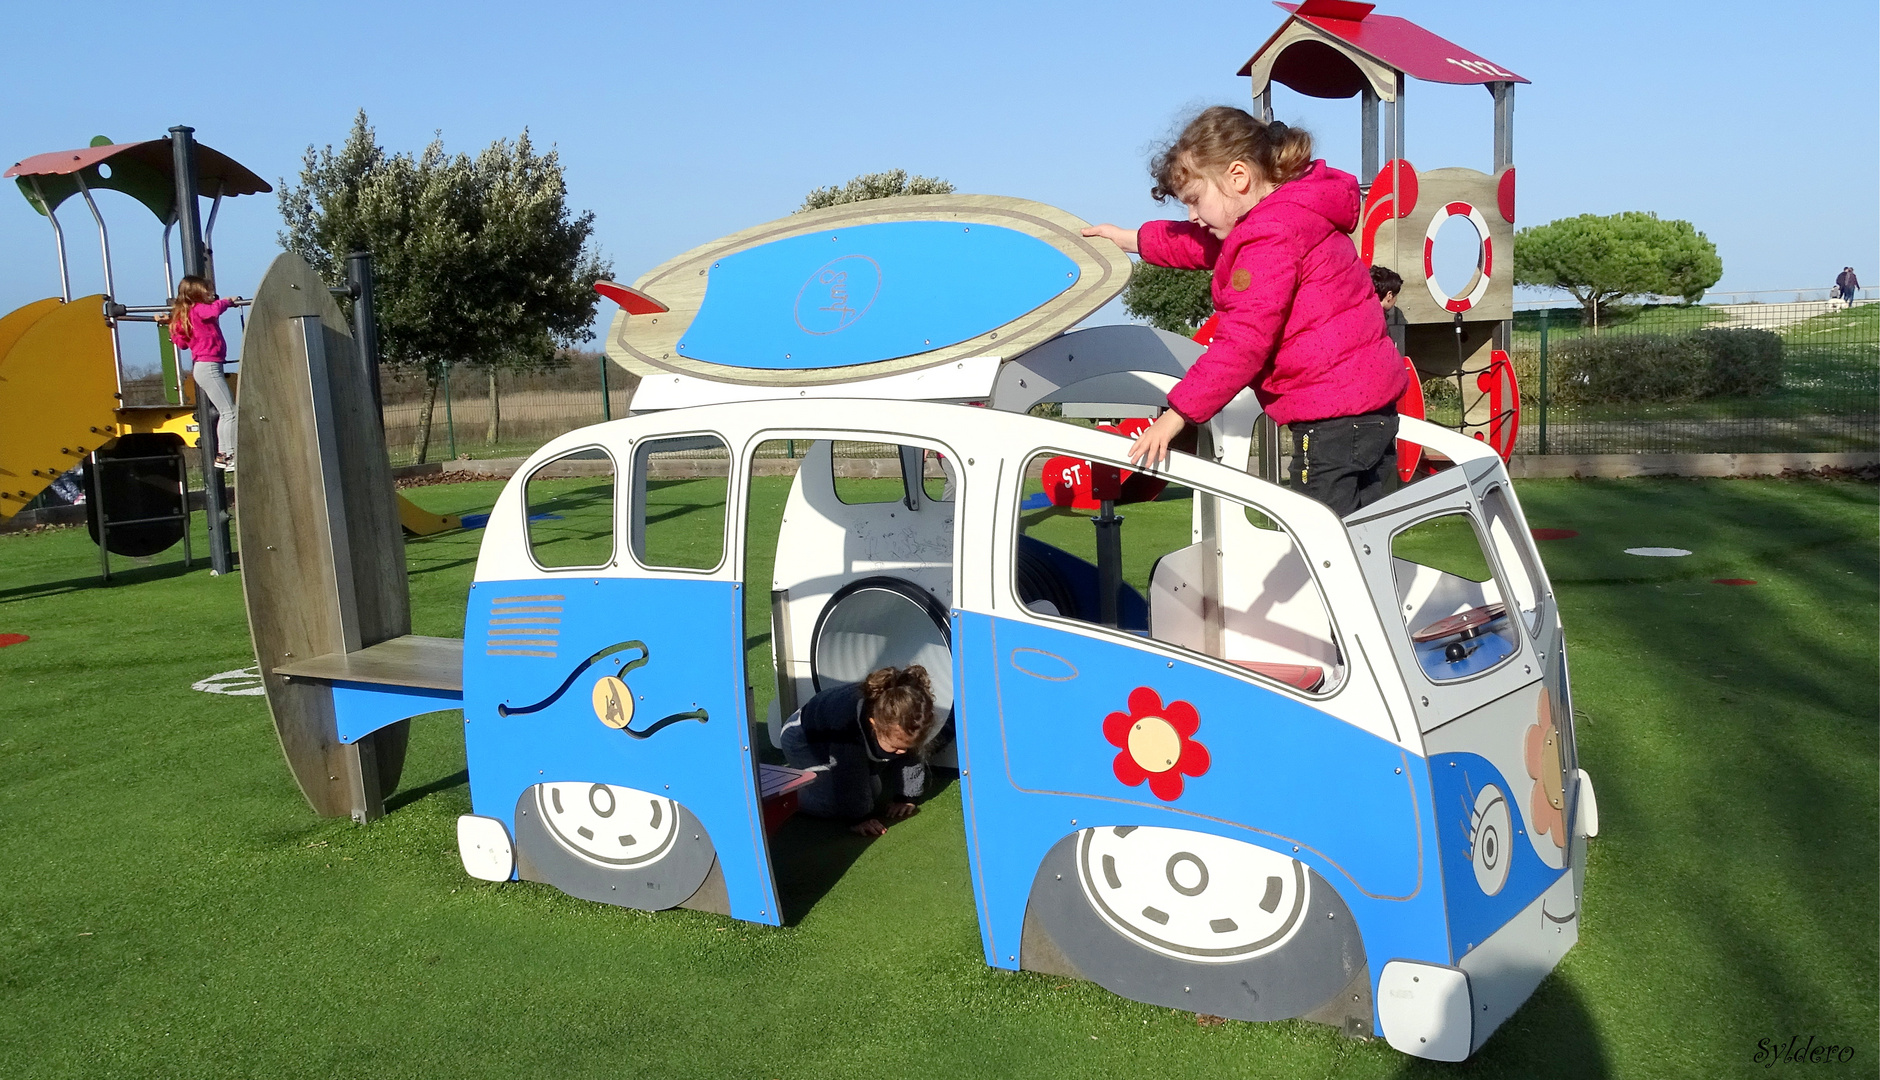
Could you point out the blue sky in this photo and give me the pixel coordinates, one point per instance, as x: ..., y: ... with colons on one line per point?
x: 678, y: 123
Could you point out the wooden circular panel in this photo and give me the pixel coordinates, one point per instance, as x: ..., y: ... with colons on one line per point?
x: 650, y: 343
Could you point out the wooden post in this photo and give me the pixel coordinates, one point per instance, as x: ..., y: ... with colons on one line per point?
x: 1504, y: 124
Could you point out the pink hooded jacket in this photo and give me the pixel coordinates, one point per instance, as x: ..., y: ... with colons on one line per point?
x: 1299, y: 320
x: 203, y: 337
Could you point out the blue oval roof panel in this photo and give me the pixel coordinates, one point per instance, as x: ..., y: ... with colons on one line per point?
x: 871, y: 292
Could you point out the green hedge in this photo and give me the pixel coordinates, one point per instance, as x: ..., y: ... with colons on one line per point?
x: 1665, y: 367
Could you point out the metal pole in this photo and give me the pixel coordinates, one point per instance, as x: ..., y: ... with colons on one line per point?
x: 1367, y: 105
x: 450, y: 422
x: 104, y: 238
x: 1109, y: 562
x: 97, y: 504
x: 195, y: 261
x: 1544, y: 314
x: 182, y: 485
x: 208, y: 233
x: 58, y: 237
x: 607, y: 404
x: 169, y: 271
x: 366, y: 323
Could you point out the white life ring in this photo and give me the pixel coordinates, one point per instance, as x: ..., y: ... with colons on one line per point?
x: 1484, y: 263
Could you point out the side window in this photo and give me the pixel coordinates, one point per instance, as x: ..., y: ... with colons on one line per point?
x: 937, y: 476
x: 1450, y: 600
x: 1515, y: 553
x: 866, y: 472
x: 680, y: 488
x: 1186, y: 568
x: 570, y: 506
x: 886, y: 472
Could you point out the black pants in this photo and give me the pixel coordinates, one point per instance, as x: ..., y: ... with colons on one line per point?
x: 1341, y: 461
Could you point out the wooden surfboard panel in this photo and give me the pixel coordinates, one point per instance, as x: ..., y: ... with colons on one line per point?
x: 869, y: 289
x: 322, y: 561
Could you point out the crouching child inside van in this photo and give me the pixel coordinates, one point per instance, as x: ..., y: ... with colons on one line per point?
x: 864, y: 740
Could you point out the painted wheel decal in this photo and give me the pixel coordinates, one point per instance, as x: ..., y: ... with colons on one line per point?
x: 1193, y: 896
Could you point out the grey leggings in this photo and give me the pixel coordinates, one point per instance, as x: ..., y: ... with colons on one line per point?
x: 209, y: 380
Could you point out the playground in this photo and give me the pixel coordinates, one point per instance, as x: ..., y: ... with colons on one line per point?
x: 1190, y: 762
x: 173, y: 908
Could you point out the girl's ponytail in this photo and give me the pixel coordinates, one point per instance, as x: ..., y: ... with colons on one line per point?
x: 1288, y: 151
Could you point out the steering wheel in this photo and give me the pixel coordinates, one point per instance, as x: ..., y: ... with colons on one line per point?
x: 1461, y: 626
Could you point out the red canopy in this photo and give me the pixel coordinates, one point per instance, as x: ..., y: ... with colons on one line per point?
x: 146, y: 171
x: 1325, y: 63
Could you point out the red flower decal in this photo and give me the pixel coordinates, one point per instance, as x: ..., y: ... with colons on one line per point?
x: 1157, y: 743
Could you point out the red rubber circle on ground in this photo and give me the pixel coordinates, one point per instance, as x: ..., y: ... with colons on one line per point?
x: 1732, y: 581
x: 1554, y: 534
x: 11, y: 639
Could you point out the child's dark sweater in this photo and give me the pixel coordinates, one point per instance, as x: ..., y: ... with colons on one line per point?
x: 835, y: 717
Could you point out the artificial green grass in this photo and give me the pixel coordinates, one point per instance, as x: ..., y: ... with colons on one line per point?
x: 171, y: 907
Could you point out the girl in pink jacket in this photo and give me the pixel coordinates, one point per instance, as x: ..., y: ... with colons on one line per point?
x: 194, y: 325
x: 1299, y: 321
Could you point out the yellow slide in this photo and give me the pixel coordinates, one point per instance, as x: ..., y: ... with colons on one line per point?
x: 421, y: 522
x: 58, y: 392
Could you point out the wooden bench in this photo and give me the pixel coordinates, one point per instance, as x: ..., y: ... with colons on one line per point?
x: 382, y: 684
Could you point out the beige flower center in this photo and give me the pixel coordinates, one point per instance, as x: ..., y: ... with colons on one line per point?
x: 1155, y: 744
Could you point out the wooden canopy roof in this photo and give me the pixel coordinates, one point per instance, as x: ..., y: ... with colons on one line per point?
x: 146, y: 171
x: 1333, y: 48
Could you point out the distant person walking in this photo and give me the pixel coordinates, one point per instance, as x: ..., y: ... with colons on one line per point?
x: 1848, y: 284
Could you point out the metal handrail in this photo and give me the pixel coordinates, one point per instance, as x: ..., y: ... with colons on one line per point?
x: 58, y: 237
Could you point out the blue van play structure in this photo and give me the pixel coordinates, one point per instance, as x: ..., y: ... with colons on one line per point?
x: 1270, y: 764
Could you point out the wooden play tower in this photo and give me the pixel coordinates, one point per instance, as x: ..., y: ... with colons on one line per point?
x: 1339, y: 49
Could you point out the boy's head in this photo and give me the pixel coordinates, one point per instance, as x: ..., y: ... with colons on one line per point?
x: 1388, y: 284
x: 899, y: 705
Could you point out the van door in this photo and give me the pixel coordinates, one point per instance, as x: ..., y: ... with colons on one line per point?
x: 1199, y: 803
x: 604, y: 715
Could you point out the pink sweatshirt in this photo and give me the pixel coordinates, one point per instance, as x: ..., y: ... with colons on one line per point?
x: 203, y: 337
x: 1299, y: 320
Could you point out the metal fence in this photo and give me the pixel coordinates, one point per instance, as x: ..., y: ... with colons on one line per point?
x: 1823, y: 396
x: 1826, y: 396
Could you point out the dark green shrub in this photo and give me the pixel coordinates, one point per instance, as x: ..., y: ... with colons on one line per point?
x: 1628, y: 367
x: 1743, y: 362
x: 1666, y: 368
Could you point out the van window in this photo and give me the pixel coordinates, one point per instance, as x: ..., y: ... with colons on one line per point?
x: 865, y: 472
x: 1450, y: 599
x: 680, y: 487
x: 1514, y: 550
x: 569, y: 504
x: 1190, y: 569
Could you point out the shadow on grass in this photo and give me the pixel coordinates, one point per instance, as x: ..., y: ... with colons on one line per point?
x: 1745, y: 789
x: 809, y: 855
x: 120, y: 576
x: 407, y: 796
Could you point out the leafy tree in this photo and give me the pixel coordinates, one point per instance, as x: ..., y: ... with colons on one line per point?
x: 881, y: 185
x: 476, y: 260
x: 1178, y: 301
x: 1601, y: 260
